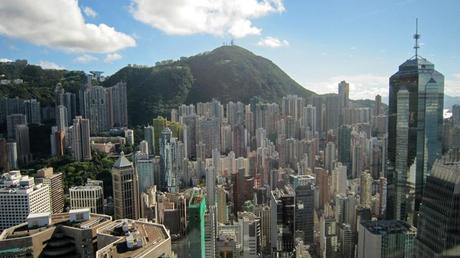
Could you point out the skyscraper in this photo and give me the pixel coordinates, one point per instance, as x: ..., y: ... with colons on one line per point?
x: 80, y: 131
x: 414, y: 128
x: 165, y: 160
x: 438, y: 224
x: 344, y: 99
x: 12, y: 121
x: 23, y: 143
x: 96, y: 109
x: 125, y: 189
x: 149, y: 136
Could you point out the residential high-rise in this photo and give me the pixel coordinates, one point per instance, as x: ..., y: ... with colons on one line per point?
x: 19, y: 197
x: 149, y: 136
x: 309, y: 119
x: 415, y: 118
x: 23, y: 143
x: 3, y: 155
x: 330, y: 156
x: 211, y: 186
x: 344, y: 146
x: 129, y: 135
x: 117, y: 102
x: 344, y: 100
x: 80, y: 132
x: 55, y: 182
x: 438, y: 225
x: 89, y: 196
x: 249, y: 231
x: 12, y: 155
x: 378, y: 108
x: 32, y: 111
x: 62, y: 120
x: 12, y: 121
x: 125, y: 189
x: 386, y: 239
x: 96, y: 109
x: 166, y: 173
x: 145, y: 168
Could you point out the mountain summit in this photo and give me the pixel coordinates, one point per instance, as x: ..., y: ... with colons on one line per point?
x: 228, y: 73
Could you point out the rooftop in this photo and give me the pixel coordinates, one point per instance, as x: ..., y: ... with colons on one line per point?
x: 133, y: 237
x: 383, y: 227
x: 60, y: 219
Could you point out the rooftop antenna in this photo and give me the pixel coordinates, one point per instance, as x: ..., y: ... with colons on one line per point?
x: 416, y: 37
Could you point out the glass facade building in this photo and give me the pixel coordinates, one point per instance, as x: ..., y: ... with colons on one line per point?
x: 414, y: 132
x: 438, y: 227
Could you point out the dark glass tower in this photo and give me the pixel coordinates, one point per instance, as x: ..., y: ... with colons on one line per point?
x: 439, y: 224
x: 414, y: 132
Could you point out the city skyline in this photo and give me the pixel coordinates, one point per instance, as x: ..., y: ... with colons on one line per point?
x: 358, y: 43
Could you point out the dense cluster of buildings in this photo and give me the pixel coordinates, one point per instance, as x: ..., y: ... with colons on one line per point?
x: 306, y: 177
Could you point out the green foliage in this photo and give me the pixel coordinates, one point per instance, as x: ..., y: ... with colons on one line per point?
x: 160, y: 123
x: 153, y: 91
x: 38, y: 83
x: 228, y: 73
x: 76, y: 173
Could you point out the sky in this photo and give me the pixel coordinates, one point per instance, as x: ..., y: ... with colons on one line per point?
x: 317, y: 43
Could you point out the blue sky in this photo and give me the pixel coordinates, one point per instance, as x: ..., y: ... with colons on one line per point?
x: 318, y: 43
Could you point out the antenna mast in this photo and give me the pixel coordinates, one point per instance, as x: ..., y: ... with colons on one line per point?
x: 416, y: 37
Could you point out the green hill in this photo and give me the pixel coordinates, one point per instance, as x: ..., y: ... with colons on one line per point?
x: 228, y: 73
x: 38, y: 83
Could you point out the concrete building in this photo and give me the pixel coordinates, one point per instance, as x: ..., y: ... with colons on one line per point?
x: 71, y: 234
x: 249, y: 232
x: 133, y: 238
x: 282, y: 206
x: 19, y: 197
x: 80, y: 132
x: 90, y: 196
x: 125, y: 189
x: 386, y: 239
x: 55, y: 181
x: 12, y: 121
x: 23, y: 144
x: 438, y: 228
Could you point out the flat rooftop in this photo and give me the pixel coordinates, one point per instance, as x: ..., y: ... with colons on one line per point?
x: 22, y: 230
x: 382, y: 227
x: 148, y: 234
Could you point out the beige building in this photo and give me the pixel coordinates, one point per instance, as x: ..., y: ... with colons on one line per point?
x: 135, y: 239
x: 55, y: 182
x: 69, y: 235
x: 125, y: 189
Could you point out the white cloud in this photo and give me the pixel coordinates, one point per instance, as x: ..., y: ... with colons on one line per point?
x: 272, y: 42
x: 89, y: 12
x: 362, y: 86
x: 112, y: 57
x: 58, y: 24
x: 85, y: 58
x: 50, y: 65
x: 5, y: 60
x: 452, y: 85
x: 215, y: 17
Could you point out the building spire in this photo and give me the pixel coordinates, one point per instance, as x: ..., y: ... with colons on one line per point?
x: 416, y: 37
